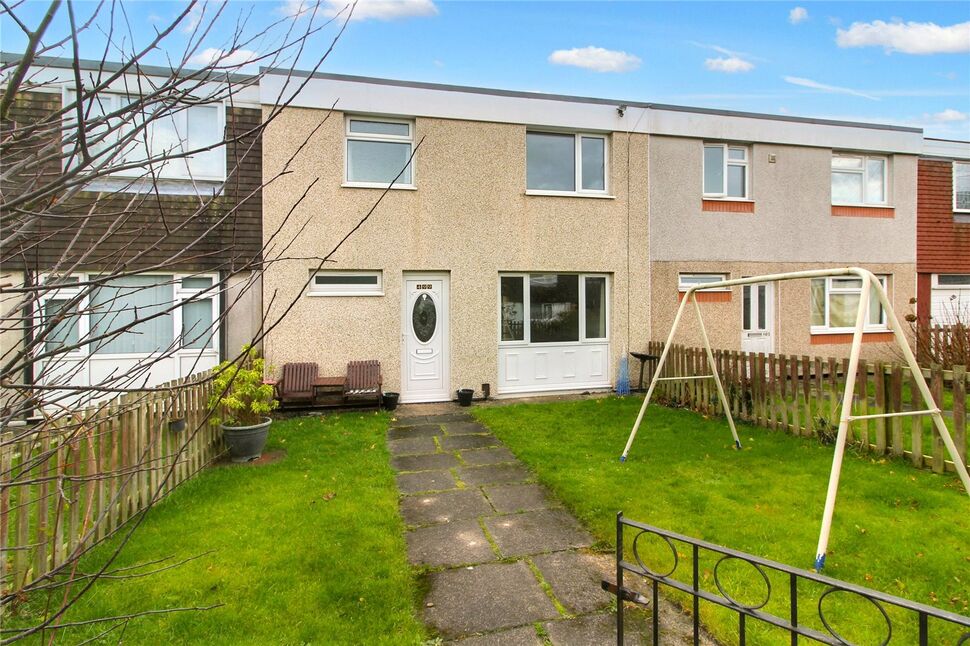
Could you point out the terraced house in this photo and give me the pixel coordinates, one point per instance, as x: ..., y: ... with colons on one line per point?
x: 530, y: 240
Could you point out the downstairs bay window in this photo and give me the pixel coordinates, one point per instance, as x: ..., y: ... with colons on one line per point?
x: 835, y: 302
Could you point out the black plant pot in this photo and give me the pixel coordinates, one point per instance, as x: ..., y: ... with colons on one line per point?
x: 176, y: 425
x: 465, y: 396
x: 389, y: 400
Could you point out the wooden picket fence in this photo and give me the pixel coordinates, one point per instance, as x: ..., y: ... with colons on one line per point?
x: 69, y: 483
x: 803, y: 396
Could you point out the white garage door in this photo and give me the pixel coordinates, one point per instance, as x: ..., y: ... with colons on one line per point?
x: 950, y: 300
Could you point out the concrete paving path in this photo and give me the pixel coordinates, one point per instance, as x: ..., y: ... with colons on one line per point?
x: 508, y: 565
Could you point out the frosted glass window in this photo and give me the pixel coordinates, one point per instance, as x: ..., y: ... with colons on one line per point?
x: 857, y: 179
x: 64, y: 333
x: 550, y: 161
x: 553, y: 308
x: 594, y: 163
x: 126, y: 300
x: 846, y: 187
x: 513, y: 309
x: 595, y: 307
x: 876, y: 180
x: 378, y: 162
x: 204, y: 131
x: 961, y: 186
x: 197, y: 330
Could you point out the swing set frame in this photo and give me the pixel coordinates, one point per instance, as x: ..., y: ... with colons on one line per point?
x: 869, y: 282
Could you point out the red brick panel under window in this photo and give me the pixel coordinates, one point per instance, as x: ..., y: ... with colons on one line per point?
x: 727, y: 206
x: 867, y: 337
x: 942, y: 245
x: 864, y: 211
x: 708, y: 297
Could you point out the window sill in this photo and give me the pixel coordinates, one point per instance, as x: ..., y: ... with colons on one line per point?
x: 338, y: 294
x: 396, y: 187
x: 863, y: 211
x: 726, y: 205
x: 839, y: 338
x: 597, y: 196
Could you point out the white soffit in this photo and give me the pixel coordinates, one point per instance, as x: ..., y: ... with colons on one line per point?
x: 391, y: 98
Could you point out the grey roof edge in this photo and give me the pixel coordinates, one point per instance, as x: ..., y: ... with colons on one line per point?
x: 581, y: 99
x: 61, y: 62
x: 948, y: 141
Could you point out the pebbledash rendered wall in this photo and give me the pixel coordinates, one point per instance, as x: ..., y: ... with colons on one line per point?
x: 469, y: 216
x: 792, y: 228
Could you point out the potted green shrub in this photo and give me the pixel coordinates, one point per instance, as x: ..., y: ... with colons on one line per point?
x: 241, y: 404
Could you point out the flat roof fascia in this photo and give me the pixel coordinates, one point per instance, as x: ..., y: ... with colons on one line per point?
x: 946, y: 148
x: 400, y: 98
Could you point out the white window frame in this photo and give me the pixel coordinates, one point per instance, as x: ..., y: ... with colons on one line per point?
x: 84, y: 323
x: 577, y: 164
x: 715, y: 276
x: 936, y: 281
x: 954, y: 181
x: 166, y: 171
x: 346, y: 290
x: 395, y: 139
x: 527, y: 308
x: 745, y: 164
x: 864, y: 173
x: 882, y: 326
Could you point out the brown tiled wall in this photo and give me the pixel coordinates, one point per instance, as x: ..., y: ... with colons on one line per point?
x: 942, y: 245
x: 157, y: 229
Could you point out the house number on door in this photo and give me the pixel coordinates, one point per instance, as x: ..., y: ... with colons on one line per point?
x: 425, y: 287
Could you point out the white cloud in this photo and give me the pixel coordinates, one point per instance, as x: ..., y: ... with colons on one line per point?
x: 219, y: 57
x: 596, y: 59
x: 797, y: 15
x: 908, y: 38
x: 947, y: 116
x: 831, y: 89
x: 365, y: 9
x: 730, y: 65
x: 193, y: 19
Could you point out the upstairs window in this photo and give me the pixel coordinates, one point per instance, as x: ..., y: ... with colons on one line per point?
x: 377, y: 151
x: 835, y: 301
x: 726, y: 171
x: 859, y: 180
x: 565, y: 163
x: 157, y: 133
x: 961, y: 187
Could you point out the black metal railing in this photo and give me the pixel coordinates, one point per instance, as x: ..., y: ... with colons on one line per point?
x: 927, y: 622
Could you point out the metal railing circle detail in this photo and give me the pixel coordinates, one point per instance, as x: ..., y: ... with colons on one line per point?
x: 835, y: 633
x: 717, y: 582
x: 642, y: 565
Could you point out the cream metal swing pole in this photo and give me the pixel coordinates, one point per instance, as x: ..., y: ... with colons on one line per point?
x: 869, y: 282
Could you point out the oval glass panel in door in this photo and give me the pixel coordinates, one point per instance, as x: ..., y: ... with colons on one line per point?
x: 424, y: 317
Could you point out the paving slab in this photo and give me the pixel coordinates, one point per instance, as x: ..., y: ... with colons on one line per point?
x: 426, y: 481
x: 493, y: 474
x: 456, y: 442
x: 450, y: 417
x: 457, y: 543
x: 533, y: 532
x: 465, y: 428
x: 479, y: 457
x: 522, y: 636
x: 511, y: 498
x: 591, y: 630
x: 444, y: 507
x: 412, y: 445
x: 419, y: 430
x: 575, y: 580
x: 429, y: 462
x: 485, y: 598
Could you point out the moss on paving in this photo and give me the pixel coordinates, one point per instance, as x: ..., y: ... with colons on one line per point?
x: 307, y: 550
x: 897, y: 529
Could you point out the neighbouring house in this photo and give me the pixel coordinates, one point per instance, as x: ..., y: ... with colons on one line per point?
x: 176, y: 247
x: 943, y: 233
x: 530, y: 240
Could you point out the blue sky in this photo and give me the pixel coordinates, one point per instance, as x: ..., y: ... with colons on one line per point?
x: 905, y: 63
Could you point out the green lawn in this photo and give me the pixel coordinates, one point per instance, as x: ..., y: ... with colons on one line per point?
x: 897, y: 529
x: 309, y: 549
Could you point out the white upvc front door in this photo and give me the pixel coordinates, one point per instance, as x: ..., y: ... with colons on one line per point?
x: 757, y: 318
x: 424, y: 339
